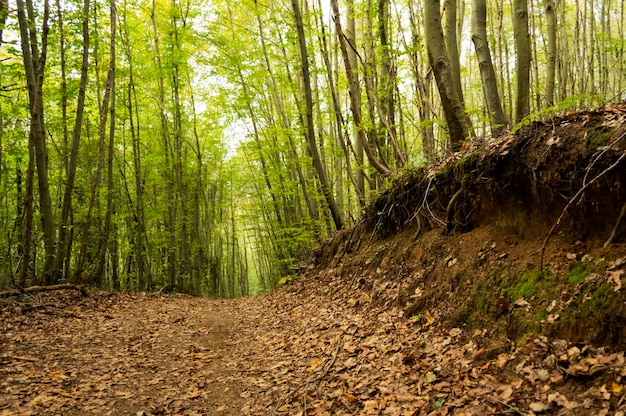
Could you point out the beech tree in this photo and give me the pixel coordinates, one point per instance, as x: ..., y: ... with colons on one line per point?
x: 452, y: 105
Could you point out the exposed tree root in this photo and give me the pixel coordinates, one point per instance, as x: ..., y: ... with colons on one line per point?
x: 617, y: 223
x: 571, y: 202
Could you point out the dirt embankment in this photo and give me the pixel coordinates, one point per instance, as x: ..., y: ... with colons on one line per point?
x: 522, y: 233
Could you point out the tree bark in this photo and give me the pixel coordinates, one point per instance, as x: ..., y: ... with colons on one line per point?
x: 353, y: 91
x: 454, y: 112
x: 106, y: 232
x: 485, y: 64
x: 523, y: 54
x: 339, y: 120
x: 550, y: 52
x: 34, y: 67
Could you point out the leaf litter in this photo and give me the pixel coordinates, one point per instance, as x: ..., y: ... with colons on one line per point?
x: 297, y: 351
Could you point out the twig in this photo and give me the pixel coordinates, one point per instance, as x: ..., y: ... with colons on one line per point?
x: 566, y: 411
x: 23, y: 358
x: 571, y: 202
x: 512, y: 409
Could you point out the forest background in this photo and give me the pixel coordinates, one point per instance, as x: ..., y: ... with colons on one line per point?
x: 206, y: 145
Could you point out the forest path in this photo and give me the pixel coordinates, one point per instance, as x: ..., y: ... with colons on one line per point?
x: 314, y: 349
x: 118, y: 355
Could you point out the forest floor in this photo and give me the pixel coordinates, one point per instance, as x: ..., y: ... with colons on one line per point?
x: 292, y: 352
x: 489, y: 284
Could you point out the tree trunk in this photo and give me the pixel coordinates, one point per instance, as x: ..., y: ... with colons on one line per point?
x: 449, y: 22
x: 339, y: 120
x: 27, y: 243
x: 485, y: 64
x: 310, y: 128
x: 352, y: 59
x: 354, y: 94
x: 63, y: 239
x: 34, y: 65
x: 106, y: 232
x: 523, y: 53
x: 454, y: 112
x: 550, y: 52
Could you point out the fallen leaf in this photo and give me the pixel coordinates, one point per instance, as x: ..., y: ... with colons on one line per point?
x: 615, y: 277
x: 539, y: 407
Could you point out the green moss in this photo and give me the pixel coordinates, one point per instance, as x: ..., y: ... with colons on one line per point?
x: 531, y: 284
x: 541, y: 315
x: 528, y: 284
x: 602, y: 300
x: 598, y: 136
x: 578, y: 273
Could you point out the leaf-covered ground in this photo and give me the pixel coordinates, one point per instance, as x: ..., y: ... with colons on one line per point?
x: 292, y: 352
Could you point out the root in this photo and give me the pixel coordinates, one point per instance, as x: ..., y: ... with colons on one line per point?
x: 572, y: 201
x: 450, y: 211
x: 617, y: 223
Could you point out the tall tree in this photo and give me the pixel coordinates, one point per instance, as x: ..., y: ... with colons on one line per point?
x: 457, y: 121
x: 310, y: 128
x: 34, y: 67
x: 523, y: 59
x: 485, y: 64
x: 63, y: 242
x: 550, y: 51
x: 353, y: 88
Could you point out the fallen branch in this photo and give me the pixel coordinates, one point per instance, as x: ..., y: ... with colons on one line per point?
x: 571, y: 202
x: 39, y: 289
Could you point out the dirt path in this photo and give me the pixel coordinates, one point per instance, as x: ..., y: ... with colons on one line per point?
x: 314, y: 349
x: 119, y: 355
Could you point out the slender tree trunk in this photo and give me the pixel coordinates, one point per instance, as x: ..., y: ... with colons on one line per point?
x: 105, y: 239
x: 27, y: 244
x: 62, y: 258
x: 355, y: 94
x: 339, y: 120
x: 449, y: 22
x: 281, y: 111
x: 183, y: 267
x: 387, y: 86
x: 64, y: 97
x: 456, y: 118
x: 353, y: 90
x: 170, y: 221
x: 34, y: 66
x: 485, y: 64
x: 310, y: 128
x: 550, y: 52
x: 422, y: 89
x: 523, y: 58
